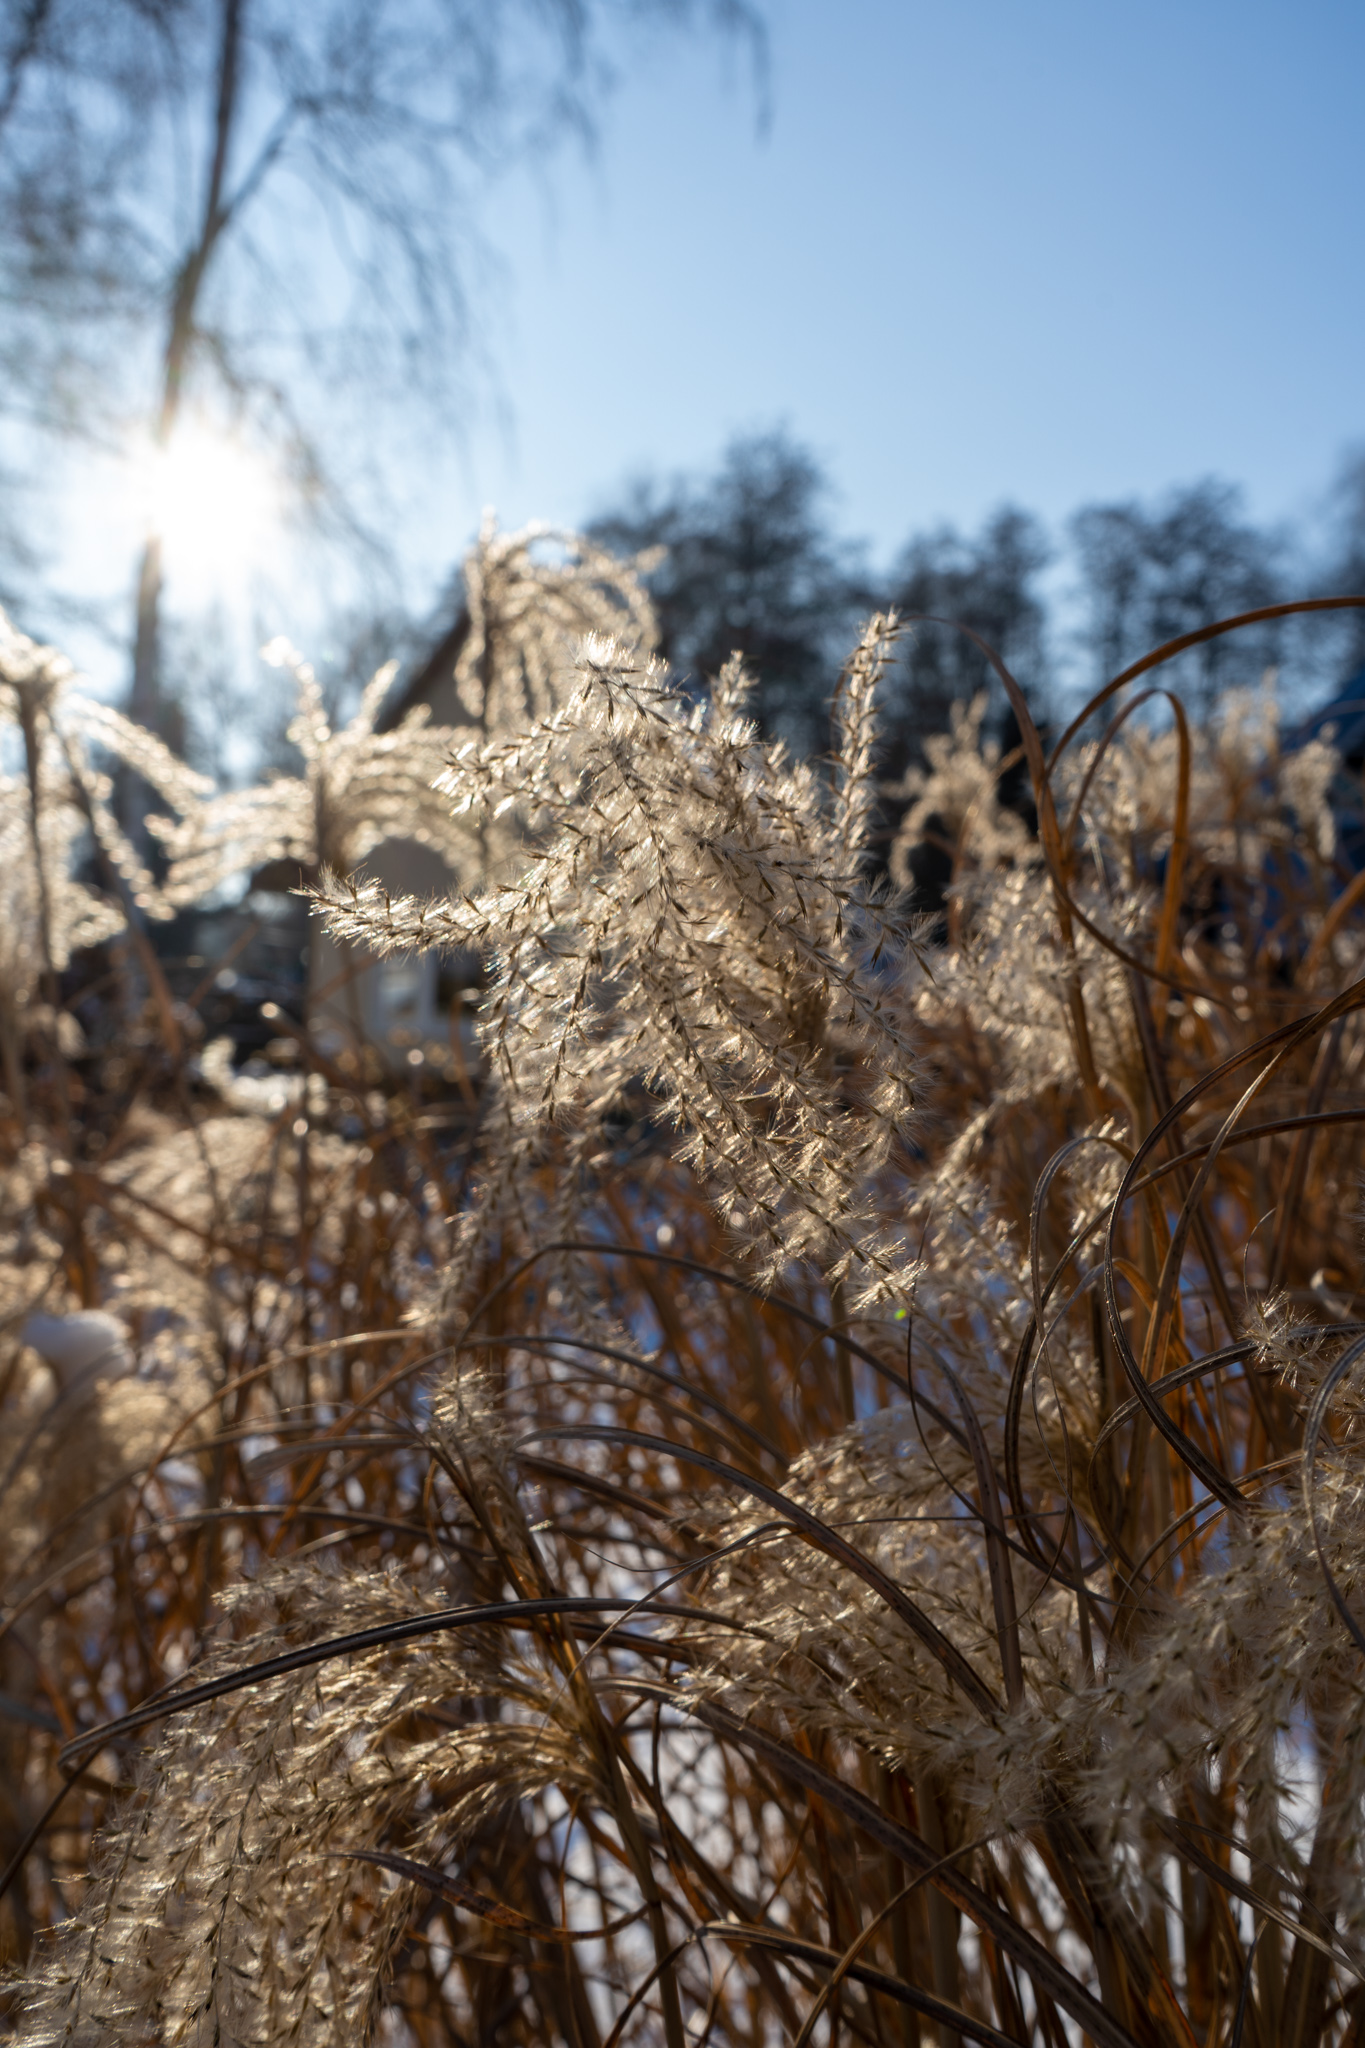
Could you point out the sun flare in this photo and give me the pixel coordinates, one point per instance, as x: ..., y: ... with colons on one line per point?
x: 215, y: 503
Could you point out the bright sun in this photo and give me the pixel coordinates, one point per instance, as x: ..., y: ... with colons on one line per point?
x: 215, y: 503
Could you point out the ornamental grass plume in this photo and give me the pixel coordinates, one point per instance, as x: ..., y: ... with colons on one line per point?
x: 529, y: 595
x: 362, y: 785
x: 358, y: 788
x: 697, y: 934
x: 62, y: 729
x: 824, y: 1505
x: 54, y: 813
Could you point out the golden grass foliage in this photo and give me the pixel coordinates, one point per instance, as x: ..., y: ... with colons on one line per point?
x: 819, y: 1497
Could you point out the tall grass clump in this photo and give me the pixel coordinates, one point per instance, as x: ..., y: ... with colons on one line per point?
x: 816, y: 1496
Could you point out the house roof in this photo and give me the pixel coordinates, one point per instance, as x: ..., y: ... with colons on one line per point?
x: 432, y: 682
x: 1345, y: 713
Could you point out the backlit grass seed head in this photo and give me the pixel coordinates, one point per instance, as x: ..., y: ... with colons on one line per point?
x: 955, y: 800
x: 530, y: 596
x: 57, y: 803
x: 40, y: 890
x: 358, y: 788
x: 692, y: 915
x: 1251, y: 794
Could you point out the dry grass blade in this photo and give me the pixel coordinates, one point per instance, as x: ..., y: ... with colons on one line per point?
x: 1030, y: 1954
x: 516, y: 1613
x: 937, y: 2009
x: 968, y: 1681
x: 470, y: 1900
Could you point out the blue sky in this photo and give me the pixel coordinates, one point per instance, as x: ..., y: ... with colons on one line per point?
x: 1053, y: 252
